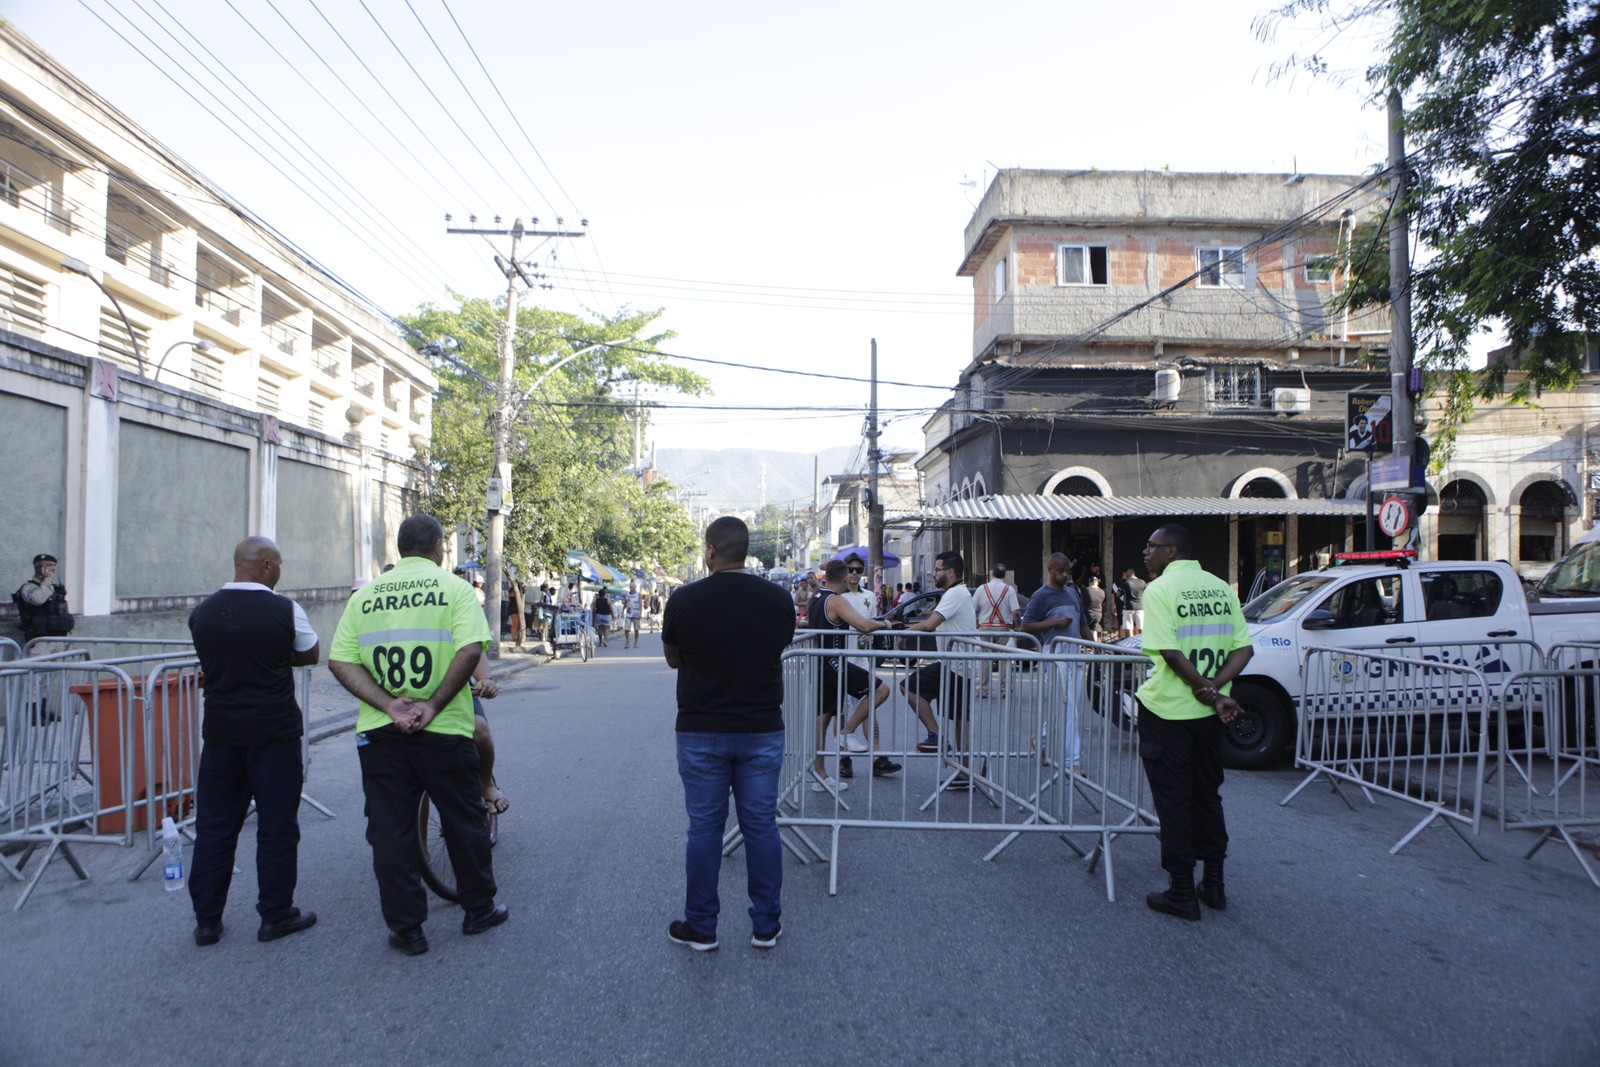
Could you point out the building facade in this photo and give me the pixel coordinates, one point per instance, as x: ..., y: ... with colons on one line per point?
x: 174, y: 375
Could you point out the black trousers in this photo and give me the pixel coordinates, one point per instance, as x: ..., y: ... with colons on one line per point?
x: 230, y: 777
x: 396, y: 769
x: 1183, y: 762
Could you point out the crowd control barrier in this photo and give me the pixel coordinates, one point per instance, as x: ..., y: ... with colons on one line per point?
x: 1411, y: 728
x: 99, y: 752
x: 9, y: 650
x: 1043, y: 744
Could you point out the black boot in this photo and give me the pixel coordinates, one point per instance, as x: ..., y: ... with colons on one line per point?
x: 1210, y: 889
x: 1179, y: 899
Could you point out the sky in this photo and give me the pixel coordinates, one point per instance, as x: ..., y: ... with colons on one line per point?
x: 785, y: 184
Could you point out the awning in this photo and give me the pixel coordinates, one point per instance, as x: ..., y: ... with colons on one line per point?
x: 1054, y: 508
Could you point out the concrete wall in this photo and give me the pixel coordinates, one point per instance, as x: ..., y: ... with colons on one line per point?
x: 183, y: 503
x: 316, y: 525
x: 33, y: 485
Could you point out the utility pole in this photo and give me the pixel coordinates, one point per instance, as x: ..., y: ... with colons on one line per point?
x: 874, y: 505
x: 1400, y: 357
x: 499, y: 493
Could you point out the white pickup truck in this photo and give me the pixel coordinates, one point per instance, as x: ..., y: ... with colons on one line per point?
x: 1385, y: 607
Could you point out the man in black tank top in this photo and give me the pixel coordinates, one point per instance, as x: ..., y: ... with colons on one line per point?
x: 830, y: 609
x: 249, y: 640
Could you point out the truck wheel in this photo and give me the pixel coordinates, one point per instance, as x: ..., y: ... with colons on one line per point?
x: 1255, y: 740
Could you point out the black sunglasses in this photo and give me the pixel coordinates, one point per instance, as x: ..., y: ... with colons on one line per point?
x: 856, y: 570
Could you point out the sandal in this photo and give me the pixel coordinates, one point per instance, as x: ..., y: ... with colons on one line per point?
x: 499, y: 804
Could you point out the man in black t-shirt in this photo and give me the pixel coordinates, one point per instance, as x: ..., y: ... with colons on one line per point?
x: 249, y: 640
x: 725, y: 636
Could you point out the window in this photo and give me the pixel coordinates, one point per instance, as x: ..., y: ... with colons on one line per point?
x: 1081, y: 265
x: 1319, y: 269
x: 314, y: 414
x: 1231, y: 386
x: 116, y: 345
x: 1370, y: 602
x: 207, y: 374
x: 21, y: 303
x: 1002, y: 278
x: 1221, y: 268
x: 269, y: 395
x: 1461, y: 594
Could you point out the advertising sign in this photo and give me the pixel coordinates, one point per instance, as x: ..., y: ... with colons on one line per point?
x: 1367, y: 423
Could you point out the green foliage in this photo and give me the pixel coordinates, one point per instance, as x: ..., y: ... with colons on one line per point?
x: 570, y: 440
x: 1503, y: 132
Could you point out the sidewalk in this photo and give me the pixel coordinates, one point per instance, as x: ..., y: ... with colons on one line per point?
x: 333, y: 710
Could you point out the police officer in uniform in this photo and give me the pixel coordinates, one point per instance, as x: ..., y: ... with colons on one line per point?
x: 406, y: 646
x: 42, y: 602
x: 1195, y: 636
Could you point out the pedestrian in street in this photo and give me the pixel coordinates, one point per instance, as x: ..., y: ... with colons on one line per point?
x: 1132, y: 588
x: 42, y: 602
x: 249, y: 640
x: 406, y: 646
x: 946, y: 682
x: 996, y: 603
x: 1094, y: 605
x: 725, y: 636
x: 1055, y: 611
x: 602, y: 615
x: 861, y: 599
x: 833, y: 609
x: 632, y: 609
x: 1196, y: 639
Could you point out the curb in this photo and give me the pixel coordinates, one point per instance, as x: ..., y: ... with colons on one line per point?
x: 341, y: 722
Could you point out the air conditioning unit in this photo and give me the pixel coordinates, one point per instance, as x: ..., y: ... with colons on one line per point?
x: 1167, y: 384
x: 1290, y: 401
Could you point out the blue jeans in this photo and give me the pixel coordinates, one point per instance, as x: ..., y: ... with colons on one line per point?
x: 711, y: 765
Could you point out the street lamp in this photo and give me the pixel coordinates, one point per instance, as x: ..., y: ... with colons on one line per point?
x: 198, y: 346
x: 78, y: 266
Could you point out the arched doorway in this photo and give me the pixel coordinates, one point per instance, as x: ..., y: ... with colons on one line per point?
x: 1462, y: 511
x: 1077, y: 485
x: 1543, y: 514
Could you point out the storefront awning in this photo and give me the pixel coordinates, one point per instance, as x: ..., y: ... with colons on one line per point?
x: 1034, y: 508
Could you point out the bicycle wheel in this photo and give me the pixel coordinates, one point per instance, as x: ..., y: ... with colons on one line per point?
x: 433, y: 856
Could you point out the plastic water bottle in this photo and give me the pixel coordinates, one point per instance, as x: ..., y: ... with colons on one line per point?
x: 171, y: 855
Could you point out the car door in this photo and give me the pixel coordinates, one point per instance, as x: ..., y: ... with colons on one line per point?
x: 1370, y: 612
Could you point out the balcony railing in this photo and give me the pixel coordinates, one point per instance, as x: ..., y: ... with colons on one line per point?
x: 220, y: 302
x: 32, y: 193
x: 137, y: 252
x: 281, y: 335
x: 329, y: 360
x: 365, y: 386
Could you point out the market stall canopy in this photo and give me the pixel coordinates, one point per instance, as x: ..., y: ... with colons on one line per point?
x: 591, y: 569
x: 889, y: 558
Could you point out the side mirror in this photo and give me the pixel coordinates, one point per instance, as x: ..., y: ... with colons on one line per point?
x: 1320, y: 620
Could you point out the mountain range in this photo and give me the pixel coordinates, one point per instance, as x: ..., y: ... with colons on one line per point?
x: 730, y: 479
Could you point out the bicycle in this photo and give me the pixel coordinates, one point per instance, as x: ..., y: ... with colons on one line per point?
x: 434, y: 856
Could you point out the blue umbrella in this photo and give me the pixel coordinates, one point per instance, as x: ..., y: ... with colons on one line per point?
x: 889, y: 558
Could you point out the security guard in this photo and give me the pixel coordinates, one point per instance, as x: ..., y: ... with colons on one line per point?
x: 1195, y: 636
x: 42, y: 602
x: 406, y: 646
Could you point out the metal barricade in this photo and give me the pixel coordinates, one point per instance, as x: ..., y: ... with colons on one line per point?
x: 9, y: 650
x: 1561, y: 776
x: 1411, y: 729
x: 109, y: 648
x: 1044, y: 748
x: 66, y: 774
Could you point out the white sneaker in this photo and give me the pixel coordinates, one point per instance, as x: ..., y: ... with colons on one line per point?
x: 827, y: 784
x: 853, y: 743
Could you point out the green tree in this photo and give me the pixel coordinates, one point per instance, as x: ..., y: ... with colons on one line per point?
x: 1503, y: 127
x: 769, y: 535
x: 570, y: 440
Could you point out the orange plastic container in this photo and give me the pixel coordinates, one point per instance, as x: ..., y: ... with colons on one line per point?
x: 105, y: 702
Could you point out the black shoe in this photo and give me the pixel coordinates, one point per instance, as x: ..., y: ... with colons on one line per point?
x: 847, y: 767
x: 883, y: 766
x: 1212, y: 896
x: 766, y: 940
x: 410, y: 940
x: 207, y: 933
x: 291, y: 923
x: 681, y: 933
x: 960, y: 784
x: 485, y: 920
x: 1167, y: 904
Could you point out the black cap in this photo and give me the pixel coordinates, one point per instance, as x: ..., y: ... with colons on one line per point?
x: 44, y: 557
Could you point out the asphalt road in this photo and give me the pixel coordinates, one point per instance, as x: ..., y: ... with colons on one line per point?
x: 1332, y: 951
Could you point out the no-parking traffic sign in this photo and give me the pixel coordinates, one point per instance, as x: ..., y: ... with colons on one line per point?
x: 1394, y: 515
